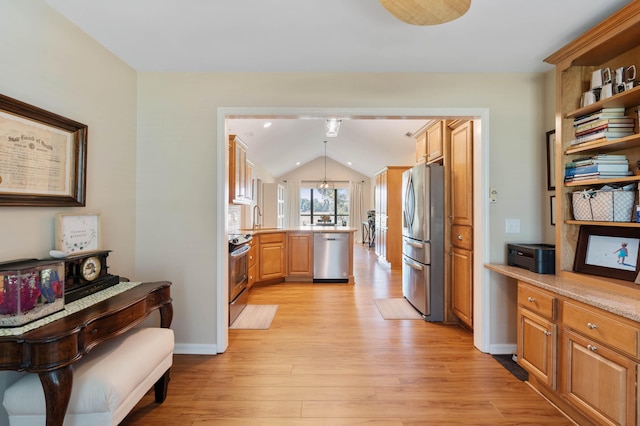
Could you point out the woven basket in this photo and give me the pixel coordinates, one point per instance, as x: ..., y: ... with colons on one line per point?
x: 603, y: 206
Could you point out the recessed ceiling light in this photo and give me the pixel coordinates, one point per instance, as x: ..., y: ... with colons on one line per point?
x: 267, y: 124
x: 349, y: 163
x: 298, y: 163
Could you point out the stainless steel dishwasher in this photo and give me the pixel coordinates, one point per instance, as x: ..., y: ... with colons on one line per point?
x: 331, y: 257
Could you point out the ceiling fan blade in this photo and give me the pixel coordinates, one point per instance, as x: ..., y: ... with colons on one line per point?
x: 426, y: 12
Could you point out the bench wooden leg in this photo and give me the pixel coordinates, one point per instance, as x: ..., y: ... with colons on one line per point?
x: 161, y: 387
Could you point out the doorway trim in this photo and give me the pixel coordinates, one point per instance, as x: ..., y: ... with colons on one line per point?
x: 481, y: 279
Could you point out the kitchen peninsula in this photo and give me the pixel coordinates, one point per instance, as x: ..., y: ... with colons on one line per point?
x: 287, y: 254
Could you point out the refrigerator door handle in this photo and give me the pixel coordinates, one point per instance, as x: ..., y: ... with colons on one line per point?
x: 412, y: 244
x: 413, y: 264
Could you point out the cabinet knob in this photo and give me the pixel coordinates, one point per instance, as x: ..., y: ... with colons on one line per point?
x: 531, y: 299
x: 547, y: 333
x: 592, y: 348
x: 460, y: 237
x: 591, y: 326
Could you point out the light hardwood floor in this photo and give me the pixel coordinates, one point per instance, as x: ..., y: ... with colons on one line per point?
x: 330, y: 359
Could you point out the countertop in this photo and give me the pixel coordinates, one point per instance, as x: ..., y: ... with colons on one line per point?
x: 316, y: 228
x: 622, y: 302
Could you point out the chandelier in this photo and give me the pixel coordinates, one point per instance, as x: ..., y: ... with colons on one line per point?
x: 325, y: 186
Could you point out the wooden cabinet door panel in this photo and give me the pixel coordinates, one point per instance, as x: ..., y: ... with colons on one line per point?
x: 435, y: 142
x: 598, y: 381
x: 300, y: 247
x: 462, y: 285
x: 271, y: 260
x: 462, y: 174
x: 537, y: 346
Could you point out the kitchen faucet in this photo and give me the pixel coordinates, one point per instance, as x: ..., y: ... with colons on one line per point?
x: 256, y: 222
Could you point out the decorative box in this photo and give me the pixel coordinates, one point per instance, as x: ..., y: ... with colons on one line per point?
x: 30, y: 289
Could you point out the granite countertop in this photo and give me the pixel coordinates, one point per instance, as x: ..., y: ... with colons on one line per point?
x: 312, y: 228
x: 621, y: 301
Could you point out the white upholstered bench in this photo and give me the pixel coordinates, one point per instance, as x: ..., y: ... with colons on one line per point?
x: 107, y: 382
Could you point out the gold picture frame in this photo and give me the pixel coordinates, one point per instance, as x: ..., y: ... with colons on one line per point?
x: 42, y: 157
x: 77, y: 233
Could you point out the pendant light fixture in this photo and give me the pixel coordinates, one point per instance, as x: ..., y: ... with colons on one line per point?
x: 325, y: 186
x: 421, y: 12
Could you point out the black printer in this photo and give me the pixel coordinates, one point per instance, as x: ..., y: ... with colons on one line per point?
x: 539, y: 258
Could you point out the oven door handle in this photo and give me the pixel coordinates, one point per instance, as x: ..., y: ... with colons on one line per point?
x: 239, y: 252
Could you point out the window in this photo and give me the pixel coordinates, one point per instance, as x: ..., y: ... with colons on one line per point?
x: 324, y: 207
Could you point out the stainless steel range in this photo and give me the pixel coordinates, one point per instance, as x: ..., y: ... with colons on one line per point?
x: 238, y: 270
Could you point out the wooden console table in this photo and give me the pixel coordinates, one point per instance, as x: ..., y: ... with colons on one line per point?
x: 50, y: 350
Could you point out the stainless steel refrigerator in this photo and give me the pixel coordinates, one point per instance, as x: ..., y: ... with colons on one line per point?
x: 423, y: 239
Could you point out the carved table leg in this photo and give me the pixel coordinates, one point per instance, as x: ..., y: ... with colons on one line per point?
x: 57, y: 392
x: 166, y: 315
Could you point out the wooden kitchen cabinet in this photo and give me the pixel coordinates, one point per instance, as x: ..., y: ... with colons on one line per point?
x: 461, y: 173
x: 460, y: 219
x: 300, y: 255
x: 239, y: 172
x: 462, y: 285
x: 537, y: 333
x: 388, y: 226
x: 272, y: 256
x: 598, y: 381
x: 252, y: 264
x: 601, y: 363
x: 435, y: 141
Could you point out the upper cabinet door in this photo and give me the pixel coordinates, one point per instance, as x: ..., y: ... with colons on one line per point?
x: 462, y: 174
x: 239, y: 172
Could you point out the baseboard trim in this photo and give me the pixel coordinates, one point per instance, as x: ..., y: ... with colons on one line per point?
x: 189, y: 349
x: 503, y: 348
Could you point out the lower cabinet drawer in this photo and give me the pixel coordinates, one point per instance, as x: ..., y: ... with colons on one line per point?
x: 597, y: 326
x: 537, y: 300
x: 461, y: 236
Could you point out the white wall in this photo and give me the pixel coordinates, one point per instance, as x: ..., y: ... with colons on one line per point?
x: 51, y: 64
x: 177, y: 117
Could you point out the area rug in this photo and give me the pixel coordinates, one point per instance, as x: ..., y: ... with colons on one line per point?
x: 255, y: 317
x: 397, y: 309
x: 507, y: 362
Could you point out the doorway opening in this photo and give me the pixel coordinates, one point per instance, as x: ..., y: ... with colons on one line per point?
x: 481, y: 167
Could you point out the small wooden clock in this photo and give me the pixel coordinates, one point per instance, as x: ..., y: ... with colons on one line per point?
x: 86, y: 273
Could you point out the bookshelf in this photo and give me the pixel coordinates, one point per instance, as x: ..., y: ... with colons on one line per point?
x: 613, y: 43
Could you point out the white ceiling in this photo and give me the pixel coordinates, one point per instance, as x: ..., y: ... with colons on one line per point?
x: 329, y: 36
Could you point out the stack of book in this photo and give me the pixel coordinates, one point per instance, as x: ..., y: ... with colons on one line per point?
x: 607, y: 123
x: 599, y: 166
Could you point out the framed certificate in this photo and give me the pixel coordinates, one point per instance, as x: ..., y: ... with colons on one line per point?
x: 42, y: 157
x: 77, y: 233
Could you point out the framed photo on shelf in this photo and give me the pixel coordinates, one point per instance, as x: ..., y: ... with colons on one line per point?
x: 42, y: 157
x: 77, y: 233
x: 551, y: 160
x: 552, y: 204
x: 608, y: 251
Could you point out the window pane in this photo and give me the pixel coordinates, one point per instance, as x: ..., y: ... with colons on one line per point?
x: 343, y: 201
x: 323, y: 203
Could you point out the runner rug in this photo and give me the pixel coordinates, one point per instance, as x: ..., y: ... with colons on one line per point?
x: 255, y: 317
x: 397, y: 309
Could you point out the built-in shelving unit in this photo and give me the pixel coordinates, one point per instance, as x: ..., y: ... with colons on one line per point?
x: 611, y: 44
